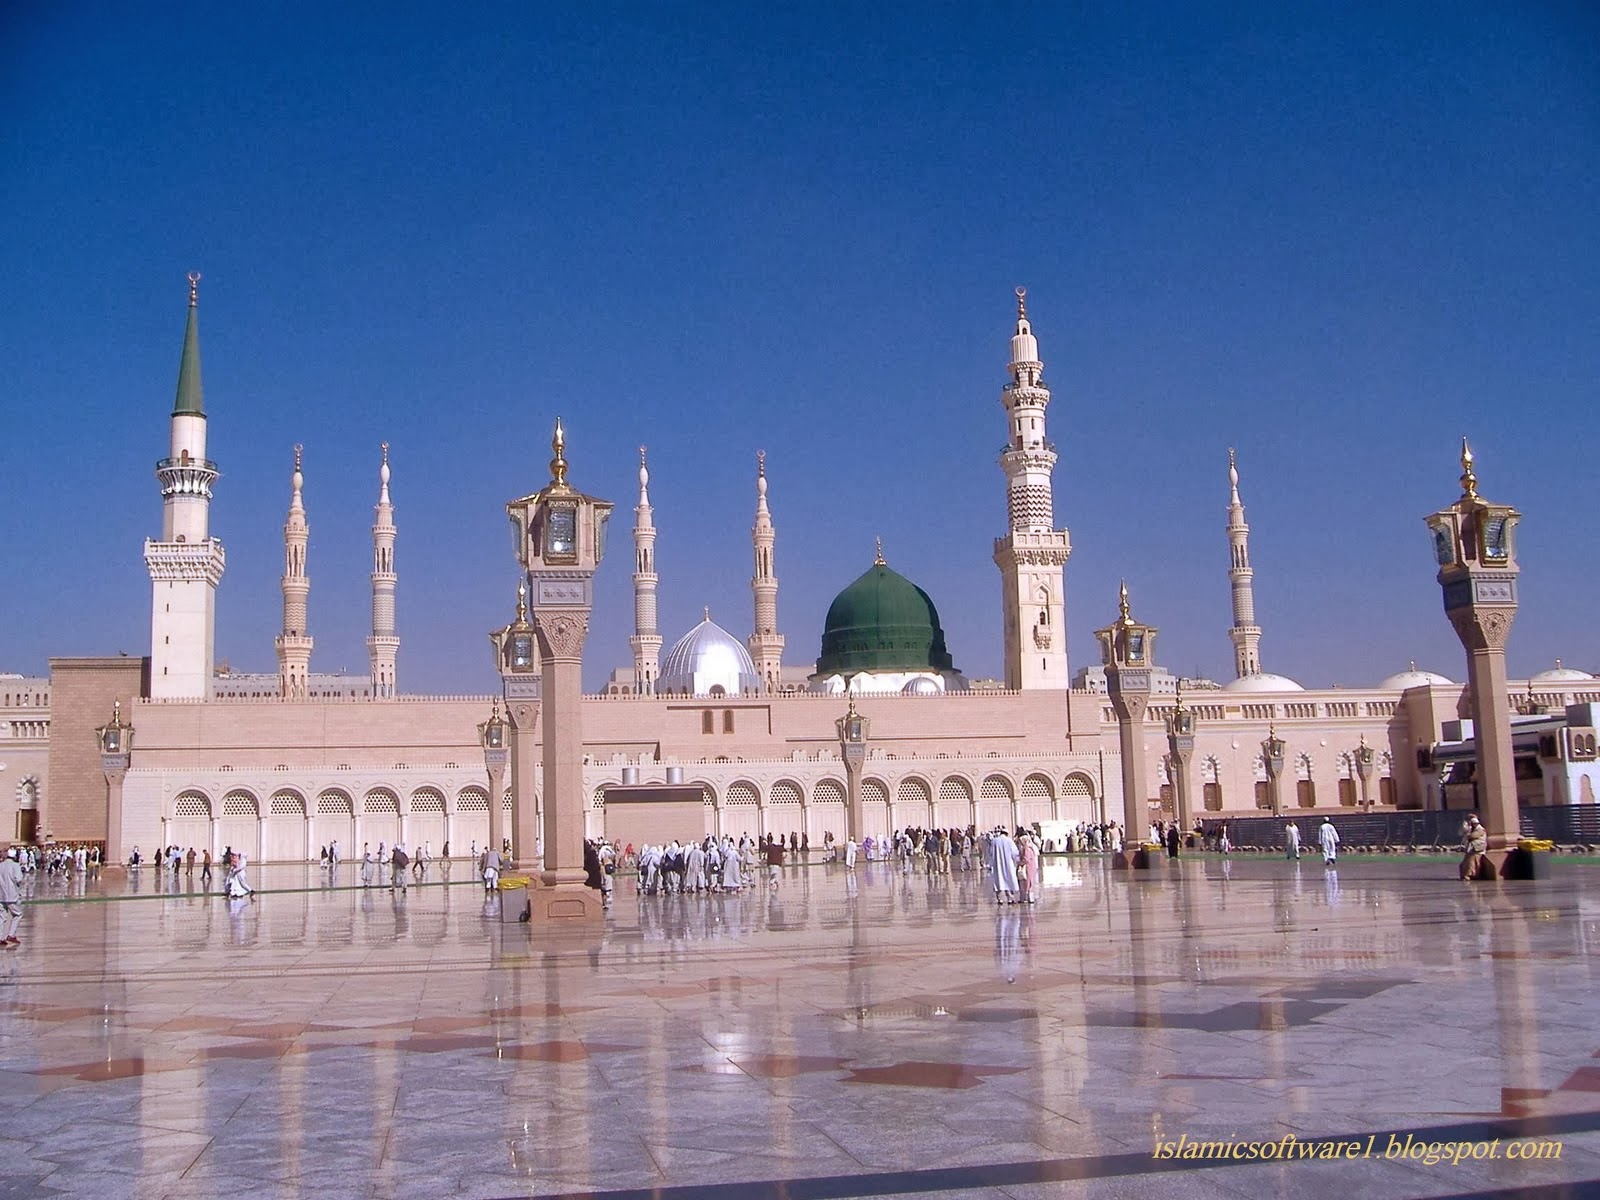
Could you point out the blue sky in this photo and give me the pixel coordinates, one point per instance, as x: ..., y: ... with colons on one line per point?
x: 1336, y: 237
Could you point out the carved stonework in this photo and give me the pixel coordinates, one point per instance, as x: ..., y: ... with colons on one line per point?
x: 561, y: 634
x: 1130, y: 707
x: 1483, y: 629
x: 523, y: 716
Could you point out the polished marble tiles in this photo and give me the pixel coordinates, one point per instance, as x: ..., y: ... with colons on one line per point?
x: 874, y: 1034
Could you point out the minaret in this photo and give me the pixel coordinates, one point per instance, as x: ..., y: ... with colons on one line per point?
x: 1245, y: 633
x: 766, y: 643
x: 646, y: 639
x: 294, y: 644
x: 1032, y: 554
x: 383, y: 645
x: 186, y: 564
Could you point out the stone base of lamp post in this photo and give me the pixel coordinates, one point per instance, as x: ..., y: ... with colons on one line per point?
x: 562, y: 898
x: 1138, y: 858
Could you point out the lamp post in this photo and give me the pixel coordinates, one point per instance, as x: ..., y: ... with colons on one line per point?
x: 1180, y: 745
x: 1365, y: 757
x: 1475, y: 546
x: 852, y: 730
x: 492, y: 737
x: 116, y: 750
x: 561, y: 537
x: 1272, y: 753
x: 1127, y: 648
x: 521, y: 685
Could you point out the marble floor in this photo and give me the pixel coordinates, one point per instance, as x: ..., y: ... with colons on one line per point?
x: 844, y: 1035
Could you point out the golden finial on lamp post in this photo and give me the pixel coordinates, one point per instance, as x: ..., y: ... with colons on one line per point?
x: 1469, y: 481
x: 558, y: 463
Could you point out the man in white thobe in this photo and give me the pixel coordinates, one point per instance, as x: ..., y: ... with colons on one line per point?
x: 1005, y: 854
x: 1291, y: 839
x: 1328, y: 839
x: 850, y: 853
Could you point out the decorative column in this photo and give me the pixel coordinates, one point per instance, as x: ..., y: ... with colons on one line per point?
x: 383, y: 647
x: 1272, y: 754
x: 116, y: 750
x: 294, y: 644
x: 766, y: 643
x: 1128, y: 649
x: 646, y: 639
x: 1180, y: 745
x: 1365, y: 757
x: 852, y: 729
x: 521, y: 685
x: 492, y: 737
x: 1475, y: 547
x: 560, y: 536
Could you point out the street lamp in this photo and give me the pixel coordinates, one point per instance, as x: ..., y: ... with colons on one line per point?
x: 1272, y: 753
x: 1180, y: 745
x: 1127, y: 647
x: 492, y: 736
x: 1474, y: 544
x: 1365, y: 756
x: 852, y: 730
x: 115, y: 739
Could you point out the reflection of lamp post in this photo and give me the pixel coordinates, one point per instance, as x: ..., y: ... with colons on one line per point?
x: 116, y: 749
x: 1180, y: 745
x: 1272, y: 752
x: 492, y: 737
x: 561, y: 538
x: 1127, y: 649
x: 1475, y: 547
x: 1365, y: 755
x: 517, y: 657
x: 852, y: 729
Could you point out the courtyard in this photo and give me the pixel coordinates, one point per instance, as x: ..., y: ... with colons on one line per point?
x: 842, y: 1035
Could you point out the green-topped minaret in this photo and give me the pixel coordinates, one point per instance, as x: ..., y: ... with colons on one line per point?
x: 191, y: 399
x: 186, y: 564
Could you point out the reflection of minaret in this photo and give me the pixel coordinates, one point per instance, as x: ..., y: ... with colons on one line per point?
x: 646, y: 639
x: 1246, y: 634
x: 766, y: 643
x: 1032, y: 554
x: 294, y: 644
x: 383, y: 645
x: 186, y: 564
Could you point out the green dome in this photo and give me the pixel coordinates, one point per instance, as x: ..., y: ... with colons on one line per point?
x: 882, y: 622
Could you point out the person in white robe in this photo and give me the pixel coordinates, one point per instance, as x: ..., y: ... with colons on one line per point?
x: 732, y: 877
x: 237, y: 886
x: 694, y: 869
x: 1005, y: 854
x: 1328, y: 839
x: 1291, y: 840
x: 850, y: 853
x: 369, y: 866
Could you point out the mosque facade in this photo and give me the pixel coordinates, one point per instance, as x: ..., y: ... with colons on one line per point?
x: 279, y: 765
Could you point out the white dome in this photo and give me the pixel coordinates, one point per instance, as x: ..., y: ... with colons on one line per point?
x: 1560, y: 674
x: 708, y: 660
x: 1263, y: 681
x: 1401, y: 680
x: 922, y: 686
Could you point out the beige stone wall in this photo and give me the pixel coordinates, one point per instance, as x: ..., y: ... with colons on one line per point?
x: 83, y: 691
x: 24, y: 748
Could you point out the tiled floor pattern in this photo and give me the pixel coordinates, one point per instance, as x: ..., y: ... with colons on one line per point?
x: 868, y: 1035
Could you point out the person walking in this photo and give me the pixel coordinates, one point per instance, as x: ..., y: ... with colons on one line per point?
x: 369, y: 865
x: 1291, y: 840
x: 205, y: 867
x: 10, y: 898
x: 399, y: 860
x: 1475, y: 838
x: 1328, y: 839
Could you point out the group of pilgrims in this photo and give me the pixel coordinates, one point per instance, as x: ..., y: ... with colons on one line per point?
x: 722, y: 864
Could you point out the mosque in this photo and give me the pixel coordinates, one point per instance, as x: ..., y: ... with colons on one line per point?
x: 279, y: 765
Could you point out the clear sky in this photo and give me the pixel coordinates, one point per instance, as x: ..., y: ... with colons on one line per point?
x: 1335, y: 236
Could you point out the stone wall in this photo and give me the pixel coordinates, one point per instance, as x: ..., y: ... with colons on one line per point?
x: 82, y: 692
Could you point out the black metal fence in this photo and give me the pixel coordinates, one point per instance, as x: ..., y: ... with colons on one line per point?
x: 1577, y: 824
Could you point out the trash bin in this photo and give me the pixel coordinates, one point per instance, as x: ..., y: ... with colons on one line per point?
x: 514, y: 898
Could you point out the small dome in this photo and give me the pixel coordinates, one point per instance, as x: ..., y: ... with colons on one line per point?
x: 922, y: 686
x: 1410, y: 678
x: 707, y: 661
x: 882, y: 622
x: 1263, y: 681
x: 1560, y: 674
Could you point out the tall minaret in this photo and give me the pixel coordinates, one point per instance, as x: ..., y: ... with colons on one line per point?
x: 1245, y: 633
x: 1033, y: 552
x: 294, y: 644
x: 766, y: 643
x: 646, y: 639
x: 186, y: 564
x: 383, y: 645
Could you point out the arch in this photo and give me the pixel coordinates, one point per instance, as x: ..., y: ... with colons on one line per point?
x: 741, y: 793
x: 1305, y: 787
x: 191, y: 821
x: 287, y: 802
x: 1077, y: 798
x: 472, y: 798
x: 381, y: 801
x: 954, y: 807
x: 426, y: 827
x: 828, y: 791
x: 913, y: 803
x: 1211, y: 784
x: 874, y: 809
x: 283, y: 833
x: 240, y: 823
x: 380, y: 816
x: 826, y: 812
x: 785, y: 791
x: 28, y: 794
x: 334, y: 802
x: 1037, y: 800
x: 996, y: 803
